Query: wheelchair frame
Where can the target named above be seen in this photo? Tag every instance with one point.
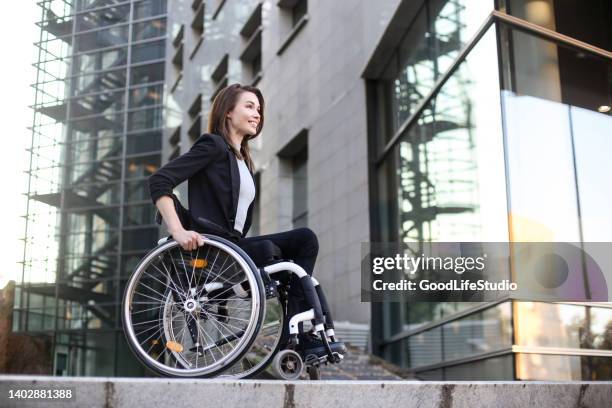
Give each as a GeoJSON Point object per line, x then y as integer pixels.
{"type": "Point", "coordinates": [261, 287]}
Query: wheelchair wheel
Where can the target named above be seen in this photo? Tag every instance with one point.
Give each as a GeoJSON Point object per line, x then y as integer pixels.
{"type": "Point", "coordinates": [193, 313]}
{"type": "Point", "coordinates": [287, 365]}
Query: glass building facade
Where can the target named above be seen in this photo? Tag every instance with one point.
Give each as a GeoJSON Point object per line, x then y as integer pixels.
{"type": "Point", "coordinates": [491, 122]}
{"type": "Point", "coordinates": [96, 137]}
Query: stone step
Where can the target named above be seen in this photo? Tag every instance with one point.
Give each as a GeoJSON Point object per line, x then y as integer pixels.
{"type": "Point", "coordinates": [162, 392]}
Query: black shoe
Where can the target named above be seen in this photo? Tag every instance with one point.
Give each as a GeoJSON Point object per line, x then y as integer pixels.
{"type": "Point", "coordinates": [310, 343]}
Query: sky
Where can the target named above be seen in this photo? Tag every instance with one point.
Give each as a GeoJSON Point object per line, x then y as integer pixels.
{"type": "Point", "coordinates": [17, 35]}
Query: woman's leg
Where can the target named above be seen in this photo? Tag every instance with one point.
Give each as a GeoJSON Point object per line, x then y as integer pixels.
{"type": "Point", "coordinates": [300, 245]}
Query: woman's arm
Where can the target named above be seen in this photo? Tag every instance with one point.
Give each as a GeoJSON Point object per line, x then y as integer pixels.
{"type": "Point", "coordinates": [204, 151]}
{"type": "Point", "coordinates": [189, 240]}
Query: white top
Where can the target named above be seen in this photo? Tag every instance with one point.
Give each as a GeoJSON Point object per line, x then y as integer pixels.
{"type": "Point", "coordinates": [246, 197]}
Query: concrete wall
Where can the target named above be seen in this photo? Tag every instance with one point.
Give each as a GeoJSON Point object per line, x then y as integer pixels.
{"type": "Point", "coordinates": [125, 392]}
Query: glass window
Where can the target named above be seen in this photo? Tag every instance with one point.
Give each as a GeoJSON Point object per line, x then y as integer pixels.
{"type": "Point", "coordinates": [569, 18]}
{"type": "Point", "coordinates": [88, 221]}
{"type": "Point", "coordinates": [142, 167]}
{"type": "Point", "coordinates": [95, 172]}
{"type": "Point", "coordinates": [102, 16]}
{"type": "Point", "coordinates": [145, 119]}
{"type": "Point", "coordinates": [450, 177]}
{"type": "Point", "coordinates": [142, 214]}
{"type": "Point", "coordinates": [149, 29]}
{"type": "Point", "coordinates": [149, 8]}
{"type": "Point", "coordinates": [144, 142]}
{"type": "Point", "coordinates": [147, 73]}
{"type": "Point", "coordinates": [137, 190]}
{"type": "Point", "coordinates": [109, 104]}
{"type": "Point", "coordinates": [84, 148]}
{"type": "Point", "coordinates": [88, 266]}
{"type": "Point", "coordinates": [475, 334]}
{"type": "Point", "coordinates": [491, 369]}
{"type": "Point", "coordinates": [99, 354]}
{"type": "Point", "coordinates": [437, 34]}
{"type": "Point", "coordinates": [593, 148]}
{"type": "Point", "coordinates": [111, 123]}
{"type": "Point", "coordinates": [90, 243]}
{"type": "Point", "coordinates": [107, 37]}
{"type": "Point", "coordinates": [146, 96]}
{"type": "Point", "coordinates": [127, 364]}
{"type": "Point", "coordinates": [93, 195]}
{"type": "Point", "coordinates": [142, 239]}
{"type": "Point", "coordinates": [552, 109]}
{"type": "Point", "coordinates": [560, 325]}
{"type": "Point", "coordinates": [100, 60]}
{"type": "Point", "coordinates": [148, 51]}
{"type": "Point", "coordinates": [479, 333]}
{"type": "Point", "coordinates": [129, 264]}
{"type": "Point", "coordinates": [425, 348]}
{"type": "Point", "coordinates": [550, 367]}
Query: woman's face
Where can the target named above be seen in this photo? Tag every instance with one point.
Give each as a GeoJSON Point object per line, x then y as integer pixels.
{"type": "Point", "coordinates": [244, 118]}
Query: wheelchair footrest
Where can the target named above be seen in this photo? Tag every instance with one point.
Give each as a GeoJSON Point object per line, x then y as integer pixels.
{"type": "Point", "coordinates": [315, 361]}
{"type": "Point", "coordinates": [320, 352]}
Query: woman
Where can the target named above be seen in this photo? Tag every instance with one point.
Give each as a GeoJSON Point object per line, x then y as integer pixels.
{"type": "Point", "coordinates": [219, 170]}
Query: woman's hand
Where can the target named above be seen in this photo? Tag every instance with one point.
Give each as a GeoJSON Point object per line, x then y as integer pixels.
{"type": "Point", "coordinates": [188, 240]}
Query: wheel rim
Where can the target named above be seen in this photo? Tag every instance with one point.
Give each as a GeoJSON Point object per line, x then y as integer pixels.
{"type": "Point", "coordinates": [290, 365]}
{"type": "Point", "coordinates": [163, 306]}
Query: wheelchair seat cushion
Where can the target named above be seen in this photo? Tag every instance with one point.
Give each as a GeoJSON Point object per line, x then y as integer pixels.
{"type": "Point", "coordinates": [262, 252]}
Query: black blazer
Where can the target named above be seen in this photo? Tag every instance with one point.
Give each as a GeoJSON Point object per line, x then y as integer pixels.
{"type": "Point", "coordinates": [213, 177]}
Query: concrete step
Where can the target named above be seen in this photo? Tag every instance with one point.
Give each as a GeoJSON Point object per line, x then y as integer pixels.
{"type": "Point", "coordinates": [162, 392]}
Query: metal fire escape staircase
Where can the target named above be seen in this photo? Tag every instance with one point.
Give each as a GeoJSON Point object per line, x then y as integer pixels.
{"type": "Point", "coordinates": [81, 282]}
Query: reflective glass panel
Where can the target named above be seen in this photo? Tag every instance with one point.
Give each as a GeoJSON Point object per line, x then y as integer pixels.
{"type": "Point", "coordinates": [553, 110]}
{"type": "Point", "coordinates": [149, 8]}
{"type": "Point", "coordinates": [436, 35]}
{"type": "Point", "coordinates": [550, 367]}
{"type": "Point", "coordinates": [561, 325]}
{"type": "Point", "coordinates": [451, 177]}
{"type": "Point", "coordinates": [149, 29]}
{"type": "Point", "coordinates": [148, 51]}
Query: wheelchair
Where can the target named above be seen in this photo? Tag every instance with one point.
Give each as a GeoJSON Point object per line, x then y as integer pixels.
{"type": "Point", "coordinates": [218, 312]}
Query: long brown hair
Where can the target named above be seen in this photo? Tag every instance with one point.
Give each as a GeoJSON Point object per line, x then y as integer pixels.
{"type": "Point", "coordinates": [223, 103]}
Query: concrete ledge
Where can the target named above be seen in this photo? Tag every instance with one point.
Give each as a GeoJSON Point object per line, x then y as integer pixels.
{"type": "Point", "coordinates": [161, 392]}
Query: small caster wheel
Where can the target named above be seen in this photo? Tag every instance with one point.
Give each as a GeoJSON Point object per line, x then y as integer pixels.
{"type": "Point", "coordinates": [314, 373]}
{"type": "Point", "coordinates": [287, 365]}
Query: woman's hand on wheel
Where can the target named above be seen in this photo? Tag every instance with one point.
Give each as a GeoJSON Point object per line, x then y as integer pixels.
{"type": "Point", "coordinates": [188, 240]}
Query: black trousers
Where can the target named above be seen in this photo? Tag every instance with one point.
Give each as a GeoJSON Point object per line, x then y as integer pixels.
{"type": "Point", "coordinates": [299, 245]}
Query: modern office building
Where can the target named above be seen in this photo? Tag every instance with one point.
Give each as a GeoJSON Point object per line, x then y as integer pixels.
{"type": "Point", "coordinates": [96, 136]}
{"type": "Point", "coordinates": [493, 126]}
{"type": "Point", "coordinates": [429, 120]}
